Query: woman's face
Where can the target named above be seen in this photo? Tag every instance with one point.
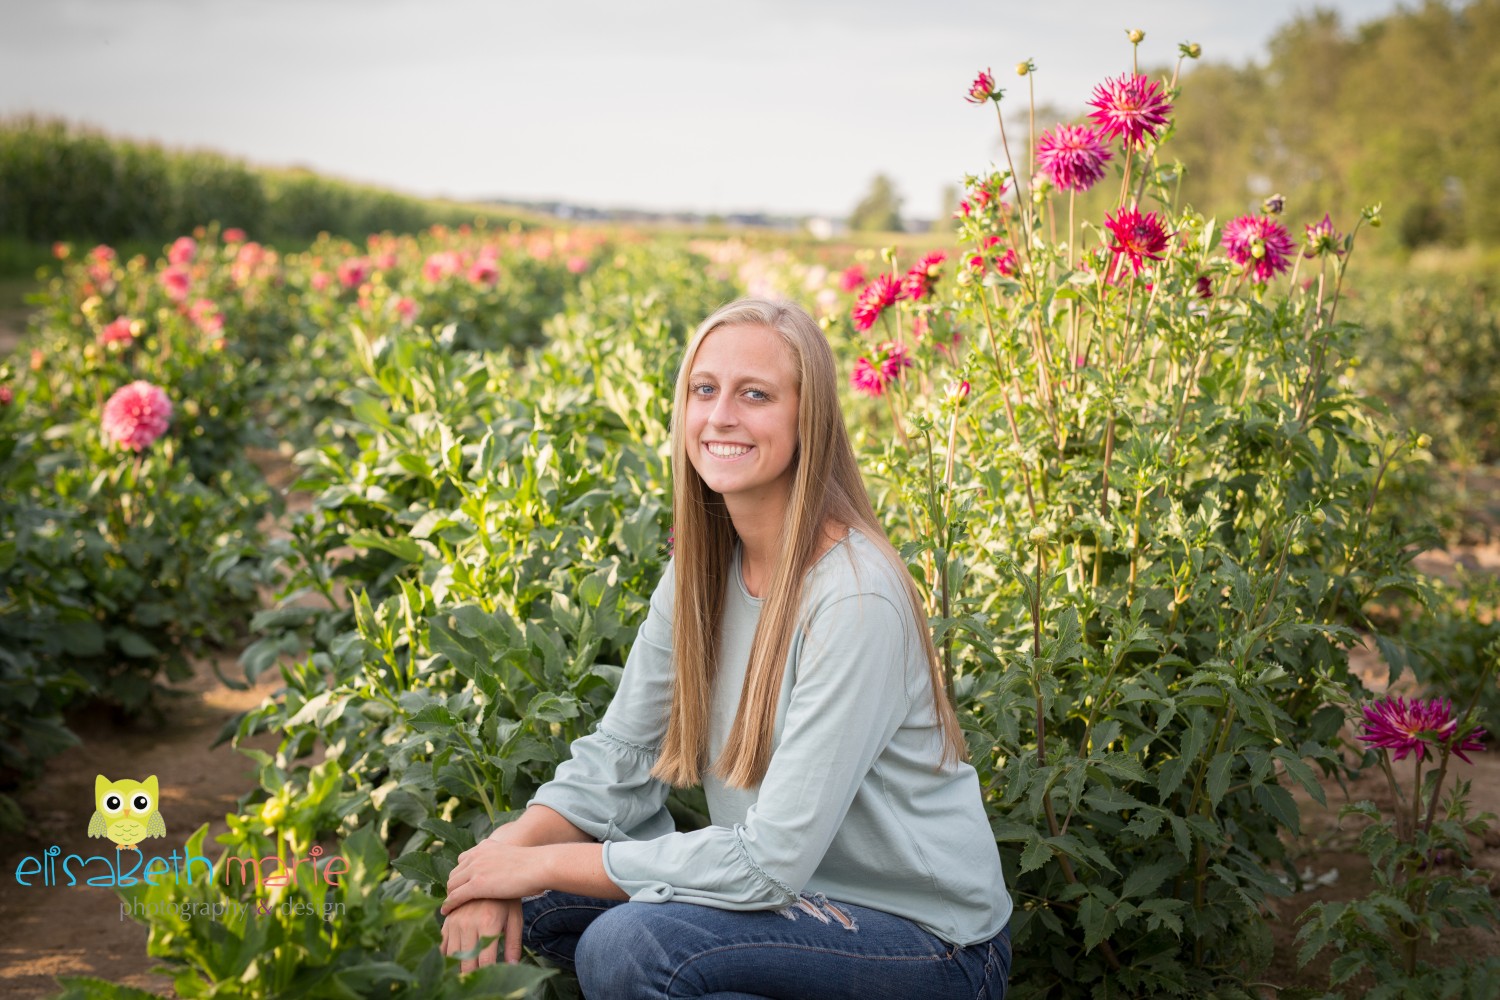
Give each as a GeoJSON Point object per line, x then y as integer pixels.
{"type": "Point", "coordinates": [742, 414]}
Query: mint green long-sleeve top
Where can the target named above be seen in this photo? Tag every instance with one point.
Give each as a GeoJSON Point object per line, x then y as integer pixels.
{"type": "Point", "coordinates": [852, 804]}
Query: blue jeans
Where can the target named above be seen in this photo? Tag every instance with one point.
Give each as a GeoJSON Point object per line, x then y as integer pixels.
{"type": "Point", "coordinates": [815, 948]}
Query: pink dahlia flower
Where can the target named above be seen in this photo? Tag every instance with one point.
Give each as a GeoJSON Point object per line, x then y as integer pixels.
{"type": "Point", "coordinates": [1131, 107]}
{"type": "Point", "coordinates": [176, 280]}
{"type": "Point", "coordinates": [982, 89]}
{"type": "Point", "coordinates": [1417, 726]}
{"type": "Point", "coordinates": [1072, 157]}
{"type": "Point", "coordinates": [137, 415]}
{"type": "Point", "coordinates": [852, 278]}
{"type": "Point", "coordinates": [894, 359]}
{"type": "Point", "coordinates": [6, 395]}
{"type": "Point", "coordinates": [206, 316]}
{"type": "Point", "coordinates": [234, 236]}
{"type": "Point", "coordinates": [1138, 237]}
{"type": "Point", "coordinates": [182, 250]}
{"type": "Point", "coordinates": [880, 294]}
{"type": "Point", "coordinates": [576, 264]}
{"type": "Point", "coordinates": [120, 331]}
{"type": "Point", "coordinates": [1259, 242]}
{"type": "Point", "coordinates": [406, 308]}
{"type": "Point", "coordinates": [484, 272]}
{"type": "Point", "coordinates": [353, 272]}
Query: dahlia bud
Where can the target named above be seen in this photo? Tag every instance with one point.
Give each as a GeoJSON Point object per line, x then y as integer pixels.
{"type": "Point", "coordinates": [1273, 205]}
{"type": "Point", "coordinates": [1318, 517]}
{"type": "Point", "coordinates": [983, 89]}
{"type": "Point", "coordinates": [1137, 36]}
{"type": "Point", "coordinates": [1424, 440]}
{"type": "Point", "coordinates": [1299, 548]}
{"type": "Point", "coordinates": [1190, 50]}
{"type": "Point", "coordinates": [1023, 68]}
{"type": "Point", "coordinates": [958, 392]}
{"type": "Point", "coordinates": [1038, 535]}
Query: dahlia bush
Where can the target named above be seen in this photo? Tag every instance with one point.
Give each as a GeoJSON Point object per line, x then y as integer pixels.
{"type": "Point", "coordinates": [1127, 464]}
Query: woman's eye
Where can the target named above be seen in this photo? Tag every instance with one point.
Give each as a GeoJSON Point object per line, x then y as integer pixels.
{"type": "Point", "coordinates": [759, 394]}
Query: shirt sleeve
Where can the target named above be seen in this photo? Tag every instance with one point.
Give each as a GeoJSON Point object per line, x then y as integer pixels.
{"type": "Point", "coordinates": [605, 788]}
{"type": "Point", "coordinates": [848, 698]}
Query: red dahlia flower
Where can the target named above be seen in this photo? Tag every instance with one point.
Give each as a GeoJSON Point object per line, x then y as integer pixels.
{"type": "Point", "coordinates": [1416, 726]}
{"type": "Point", "coordinates": [880, 294]}
{"type": "Point", "coordinates": [1259, 240]}
{"type": "Point", "coordinates": [1072, 157]}
{"type": "Point", "coordinates": [1131, 107]}
{"type": "Point", "coordinates": [1138, 237]}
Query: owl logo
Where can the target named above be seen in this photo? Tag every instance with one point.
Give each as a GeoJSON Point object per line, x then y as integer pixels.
{"type": "Point", "coordinates": [126, 812]}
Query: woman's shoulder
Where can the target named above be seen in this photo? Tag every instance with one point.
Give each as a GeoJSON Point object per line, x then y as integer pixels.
{"type": "Point", "coordinates": [855, 565]}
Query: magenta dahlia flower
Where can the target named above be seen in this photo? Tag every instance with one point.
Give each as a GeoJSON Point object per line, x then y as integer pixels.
{"type": "Point", "coordinates": [916, 284]}
{"type": "Point", "coordinates": [1259, 242]}
{"type": "Point", "coordinates": [867, 379]}
{"type": "Point", "coordinates": [1137, 237]}
{"type": "Point", "coordinates": [894, 359]}
{"type": "Point", "coordinates": [1072, 157]}
{"type": "Point", "coordinates": [880, 294]}
{"type": "Point", "coordinates": [136, 415]}
{"type": "Point", "coordinates": [983, 88]}
{"type": "Point", "coordinates": [1416, 726]}
{"type": "Point", "coordinates": [1131, 107]}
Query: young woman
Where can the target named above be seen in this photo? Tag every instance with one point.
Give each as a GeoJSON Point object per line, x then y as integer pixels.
{"type": "Point", "coordinates": [786, 665]}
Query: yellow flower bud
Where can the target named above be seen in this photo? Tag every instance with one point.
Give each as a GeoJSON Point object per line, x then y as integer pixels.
{"type": "Point", "coordinates": [1424, 440]}
{"type": "Point", "coordinates": [1137, 36]}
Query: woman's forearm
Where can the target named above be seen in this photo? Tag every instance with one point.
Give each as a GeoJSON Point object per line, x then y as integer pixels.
{"type": "Point", "coordinates": [539, 826]}
{"type": "Point", "coordinates": [579, 868]}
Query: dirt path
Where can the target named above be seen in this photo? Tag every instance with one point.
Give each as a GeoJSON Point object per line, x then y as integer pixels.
{"type": "Point", "coordinates": [61, 930]}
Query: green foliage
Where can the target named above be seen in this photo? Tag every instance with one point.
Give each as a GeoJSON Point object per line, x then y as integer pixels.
{"type": "Point", "coordinates": [59, 181]}
{"type": "Point", "coordinates": [341, 929]}
{"type": "Point", "coordinates": [1432, 354]}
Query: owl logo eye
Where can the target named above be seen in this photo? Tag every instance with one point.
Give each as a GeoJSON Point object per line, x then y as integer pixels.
{"type": "Point", "coordinates": [141, 802]}
{"type": "Point", "coordinates": [113, 803]}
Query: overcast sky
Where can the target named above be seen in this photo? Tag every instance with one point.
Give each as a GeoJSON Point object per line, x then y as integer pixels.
{"type": "Point", "coordinates": [772, 105]}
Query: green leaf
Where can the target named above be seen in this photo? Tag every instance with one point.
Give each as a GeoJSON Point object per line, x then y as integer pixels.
{"type": "Point", "coordinates": [1218, 777]}
{"type": "Point", "coordinates": [1036, 854]}
{"type": "Point", "coordinates": [401, 548]}
{"type": "Point", "coordinates": [1145, 880]}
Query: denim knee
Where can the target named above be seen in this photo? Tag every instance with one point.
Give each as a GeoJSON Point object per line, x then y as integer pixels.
{"type": "Point", "coordinates": [621, 955]}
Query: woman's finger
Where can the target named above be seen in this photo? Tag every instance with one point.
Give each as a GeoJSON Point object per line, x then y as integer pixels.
{"type": "Point", "coordinates": [514, 920]}
{"type": "Point", "coordinates": [470, 939]}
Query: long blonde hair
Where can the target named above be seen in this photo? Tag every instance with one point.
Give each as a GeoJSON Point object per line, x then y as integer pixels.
{"type": "Point", "coordinates": [826, 485]}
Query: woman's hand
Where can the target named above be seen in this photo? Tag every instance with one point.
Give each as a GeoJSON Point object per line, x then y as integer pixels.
{"type": "Point", "coordinates": [482, 918]}
{"type": "Point", "coordinates": [495, 869]}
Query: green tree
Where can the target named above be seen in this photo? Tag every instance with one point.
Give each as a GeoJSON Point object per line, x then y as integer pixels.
{"type": "Point", "coordinates": [879, 210]}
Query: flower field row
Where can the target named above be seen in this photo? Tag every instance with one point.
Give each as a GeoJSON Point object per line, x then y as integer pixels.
{"type": "Point", "coordinates": [1124, 457]}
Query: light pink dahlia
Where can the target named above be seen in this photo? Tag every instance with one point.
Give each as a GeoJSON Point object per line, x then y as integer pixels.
{"type": "Point", "coordinates": [1072, 157]}
{"type": "Point", "coordinates": [136, 415]}
{"type": "Point", "coordinates": [1417, 726]}
{"type": "Point", "coordinates": [1261, 241]}
{"type": "Point", "coordinates": [1131, 107]}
